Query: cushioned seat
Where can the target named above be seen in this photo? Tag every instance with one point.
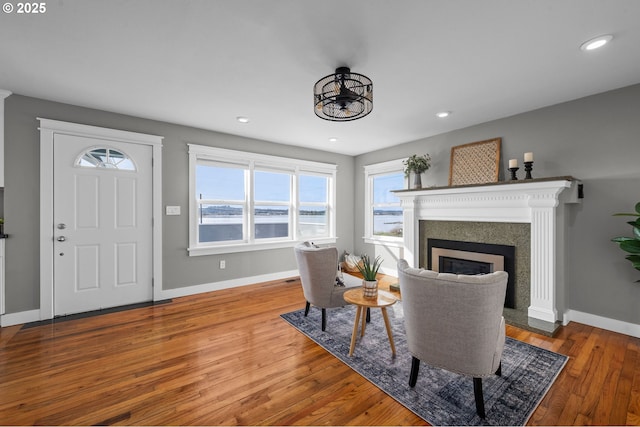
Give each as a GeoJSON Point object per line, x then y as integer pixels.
{"type": "Point", "coordinates": [318, 268]}
{"type": "Point", "coordinates": [454, 322]}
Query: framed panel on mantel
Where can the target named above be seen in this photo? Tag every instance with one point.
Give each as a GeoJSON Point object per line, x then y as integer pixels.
{"type": "Point", "coordinates": [475, 163]}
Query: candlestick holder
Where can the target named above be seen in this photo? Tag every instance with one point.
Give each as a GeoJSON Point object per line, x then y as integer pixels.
{"type": "Point", "coordinates": [528, 167]}
{"type": "Point", "coordinates": [513, 173]}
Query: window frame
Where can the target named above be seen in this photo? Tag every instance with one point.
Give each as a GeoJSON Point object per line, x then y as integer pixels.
{"type": "Point", "coordinates": [243, 202]}
{"type": "Point", "coordinates": [329, 205]}
{"type": "Point", "coordinates": [255, 203]}
{"type": "Point", "coordinates": [252, 162]}
{"type": "Point", "coordinates": [103, 165]}
{"type": "Point", "coordinates": [370, 172]}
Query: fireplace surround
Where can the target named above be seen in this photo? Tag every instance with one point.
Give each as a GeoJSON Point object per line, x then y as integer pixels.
{"type": "Point", "coordinates": [459, 257]}
{"type": "Point", "coordinates": [540, 203]}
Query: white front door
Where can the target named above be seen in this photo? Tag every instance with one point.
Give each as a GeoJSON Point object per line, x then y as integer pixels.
{"type": "Point", "coordinates": [103, 223]}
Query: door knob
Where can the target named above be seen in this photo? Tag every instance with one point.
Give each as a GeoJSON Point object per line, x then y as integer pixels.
{"type": "Point", "coordinates": [61, 239]}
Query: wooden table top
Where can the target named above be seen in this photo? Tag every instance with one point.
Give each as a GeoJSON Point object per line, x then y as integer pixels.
{"type": "Point", "coordinates": [356, 296]}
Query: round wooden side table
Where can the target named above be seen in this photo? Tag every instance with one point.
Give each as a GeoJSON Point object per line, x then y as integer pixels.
{"type": "Point", "coordinates": [384, 300]}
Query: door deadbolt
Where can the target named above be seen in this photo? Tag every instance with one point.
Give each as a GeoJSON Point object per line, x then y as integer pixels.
{"type": "Point", "coordinates": [62, 226]}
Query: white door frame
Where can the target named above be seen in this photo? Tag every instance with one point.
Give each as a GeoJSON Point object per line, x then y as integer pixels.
{"type": "Point", "coordinates": [48, 128]}
{"type": "Point", "coordinates": [3, 94]}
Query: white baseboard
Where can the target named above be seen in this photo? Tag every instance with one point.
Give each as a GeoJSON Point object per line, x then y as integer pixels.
{"type": "Point", "coordinates": [34, 315]}
{"type": "Point", "coordinates": [225, 284]}
{"type": "Point", "coordinates": [19, 317]}
{"type": "Point", "coordinates": [613, 325]}
{"type": "Point", "coordinates": [596, 321]}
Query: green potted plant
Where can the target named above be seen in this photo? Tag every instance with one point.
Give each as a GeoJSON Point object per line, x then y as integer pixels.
{"type": "Point", "coordinates": [417, 165]}
{"type": "Point", "coordinates": [631, 244]}
{"type": "Point", "coordinates": [369, 270]}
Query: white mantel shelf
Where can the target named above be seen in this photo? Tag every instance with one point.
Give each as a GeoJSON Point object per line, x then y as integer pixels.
{"type": "Point", "coordinates": [539, 202]}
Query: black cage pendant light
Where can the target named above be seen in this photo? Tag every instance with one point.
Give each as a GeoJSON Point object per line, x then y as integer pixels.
{"type": "Point", "coordinates": [343, 96]}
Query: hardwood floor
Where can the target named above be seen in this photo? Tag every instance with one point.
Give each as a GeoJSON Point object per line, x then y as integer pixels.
{"type": "Point", "coordinates": [227, 358]}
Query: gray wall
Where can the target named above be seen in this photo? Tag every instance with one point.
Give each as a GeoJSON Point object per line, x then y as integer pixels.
{"type": "Point", "coordinates": [21, 198]}
{"type": "Point", "coordinates": [595, 139]}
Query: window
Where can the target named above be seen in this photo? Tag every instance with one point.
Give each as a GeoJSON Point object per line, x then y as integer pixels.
{"type": "Point", "coordinates": [387, 212]}
{"type": "Point", "coordinates": [243, 201]}
{"type": "Point", "coordinates": [383, 211]}
{"type": "Point", "coordinates": [313, 212]}
{"type": "Point", "coordinates": [272, 206]}
{"type": "Point", "coordinates": [220, 193]}
{"type": "Point", "coordinates": [105, 158]}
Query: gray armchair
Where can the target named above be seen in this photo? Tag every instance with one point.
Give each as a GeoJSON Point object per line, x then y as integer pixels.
{"type": "Point", "coordinates": [454, 322]}
{"type": "Point", "coordinates": [318, 268]}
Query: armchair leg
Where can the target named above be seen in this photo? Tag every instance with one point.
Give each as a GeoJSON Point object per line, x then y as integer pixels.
{"type": "Point", "coordinates": [324, 319]}
{"type": "Point", "coordinates": [499, 371]}
{"type": "Point", "coordinates": [368, 314]}
{"type": "Point", "coordinates": [477, 391]}
{"type": "Point", "coordinates": [306, 309]}
{"type": "Point", "coordinates": [415, 367]}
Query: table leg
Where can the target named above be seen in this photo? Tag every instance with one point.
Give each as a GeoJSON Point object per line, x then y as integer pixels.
{"type": "Point", "coordinates": [388, 325]}
{"type": "Point", "coordinates": [364, 322]}
{"type": "Point", "coordinates": [355, 331]}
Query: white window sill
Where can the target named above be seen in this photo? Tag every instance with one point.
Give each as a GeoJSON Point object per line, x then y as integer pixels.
{"type": "Point", "coordinates": [249, 247]}
{"type": "Point", "coordinates": [395, 243]}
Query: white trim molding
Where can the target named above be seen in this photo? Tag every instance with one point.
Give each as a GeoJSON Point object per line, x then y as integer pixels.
{"type": "Point", "coordinates": [226, 284]}
{"type": "Point", "coordinates": [49, 128]}
{"type": "Point", "coordinates": [537, 202]}
{"type": "Point", "coordinates": [165, 294]}
{"type": "Point", "coordinates": [20, 318]}
{"type": "Point", "coordinates": [3, 94]}
{"type": "Point", "coordinates": [596, 321]}
{"type": "Point", "coordinates": [370, 172]}
{"type": "Point", "coordinates": [251, 162]}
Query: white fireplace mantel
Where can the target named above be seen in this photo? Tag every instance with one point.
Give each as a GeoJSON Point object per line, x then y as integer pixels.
{"type": "Point", "coordinates": [539, 202]}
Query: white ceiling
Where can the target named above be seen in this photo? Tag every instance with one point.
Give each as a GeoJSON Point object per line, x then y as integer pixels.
{"type": "Point", "coordinates": [203, 63]}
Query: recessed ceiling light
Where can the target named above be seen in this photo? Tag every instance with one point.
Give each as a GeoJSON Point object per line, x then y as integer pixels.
{"type": "Point", "coordinates": [242, 119]}
{"type": "Point", "coordinates": [333, 139]}
{"type": "Point", "coordinates": [443, 114]}
{"type": "Point", "coordinates": [596, 42]}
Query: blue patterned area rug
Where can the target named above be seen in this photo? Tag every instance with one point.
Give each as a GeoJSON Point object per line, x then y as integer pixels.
{"type": "Point", "coordinates": [440, 397]}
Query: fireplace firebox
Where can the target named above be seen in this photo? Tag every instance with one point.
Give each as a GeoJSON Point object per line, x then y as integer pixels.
{"type": "Point", "coordinates": [452, 256]}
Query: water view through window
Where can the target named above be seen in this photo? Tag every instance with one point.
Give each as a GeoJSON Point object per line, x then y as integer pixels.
{"type": "Point", "coordinates": [387, 222]}
{"type": "Point", "coordinates": [314, 206]}
{"type": "Point", "coordinates": [222, 207]}
{"type": "Point", "coordinates": [387, 212]}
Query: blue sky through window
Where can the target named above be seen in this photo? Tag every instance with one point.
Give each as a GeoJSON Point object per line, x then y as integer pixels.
{"type": "Point", "coordinates": [217, 183]}
{"type": "Point", "coordinates": [224, 183]}
{"type": "Point", "coordinates": [272, 186]}
{"type": "Point", "coordinates": [248, 197]}
{"type": "Point", "coordinates": [313, 189]}
{"type": "Point", "coordinates": [384, 184]}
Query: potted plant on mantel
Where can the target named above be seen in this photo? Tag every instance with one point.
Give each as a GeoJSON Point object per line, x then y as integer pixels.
{"type": "Point", "coordinates": [369, 270]}
{"type": "Point", "coordinates": [631, 244]}
{"type": "Point", "coordinates": [417, 165]}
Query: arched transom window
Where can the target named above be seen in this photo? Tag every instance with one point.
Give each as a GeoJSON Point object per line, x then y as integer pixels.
{"type": "Point", "coordinates": [107, 158]}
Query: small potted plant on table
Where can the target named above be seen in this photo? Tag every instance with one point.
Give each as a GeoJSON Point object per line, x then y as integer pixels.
{"type": "Point", "coordinates": [369, 270]}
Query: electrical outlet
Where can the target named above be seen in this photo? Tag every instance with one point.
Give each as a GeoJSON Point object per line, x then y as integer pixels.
{"type": "Point", "coordinates": [223, 264]}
